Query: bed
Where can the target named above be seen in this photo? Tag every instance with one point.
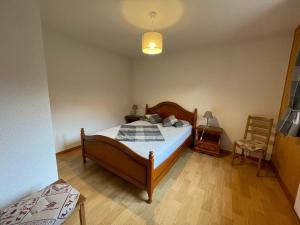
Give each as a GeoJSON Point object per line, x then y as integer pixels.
{"type": "Point", "coordinates": [143, 164]}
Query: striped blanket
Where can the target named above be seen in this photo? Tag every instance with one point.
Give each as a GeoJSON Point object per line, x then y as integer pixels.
{"type": "Point", "coordinates": [137, 133]}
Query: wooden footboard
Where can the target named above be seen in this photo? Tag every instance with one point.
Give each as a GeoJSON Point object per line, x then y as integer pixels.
{"type": "Point", "coordinates": [119, 159]}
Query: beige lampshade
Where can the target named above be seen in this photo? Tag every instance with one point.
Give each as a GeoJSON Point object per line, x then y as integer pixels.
{"type": "Point", "coordinates": [208, 115]}
{"type": "Point", "coordinates": [152, 43]}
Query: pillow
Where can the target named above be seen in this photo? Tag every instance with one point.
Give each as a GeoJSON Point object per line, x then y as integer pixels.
{"type": "Point", "coordinates": [144, 118]}
{"type": "Point", "coordinates": [153, 118]}
{"type": "Point", "coordinates": [182, 123]}
{"type": "Point", "coordinates": [169, 121]}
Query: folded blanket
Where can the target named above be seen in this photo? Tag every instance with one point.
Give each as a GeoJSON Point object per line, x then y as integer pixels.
{"type": "Point", "coordinates": [136, 133]}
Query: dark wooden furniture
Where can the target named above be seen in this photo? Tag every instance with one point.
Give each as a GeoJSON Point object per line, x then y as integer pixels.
{"type": "Point", "coordinates": [210, 143]}
{"type": "Point", "coordinates": [80, 204]}
{"type": "Point", "coordinates": [132, 118]}
{"type": "Point", "coordinates": [122, 161]}
{"type": "Point", "coordinates": [285, 153]}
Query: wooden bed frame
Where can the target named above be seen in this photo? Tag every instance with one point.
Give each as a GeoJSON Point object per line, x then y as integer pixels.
{"type": "Point", "coordinates": [122, 161]}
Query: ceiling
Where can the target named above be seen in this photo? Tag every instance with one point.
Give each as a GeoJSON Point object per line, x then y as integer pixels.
{"type": "Point", "coordinates": [117, 25]}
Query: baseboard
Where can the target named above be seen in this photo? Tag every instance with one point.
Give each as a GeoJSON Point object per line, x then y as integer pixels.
{"type": "Point", "coordinates": [288, 195]}
{"type": "Point", "coordinates": [68, 150]}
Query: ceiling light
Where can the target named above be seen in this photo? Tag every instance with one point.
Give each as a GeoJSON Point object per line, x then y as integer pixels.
{"type": "Point", "coordinates": [152, 41]}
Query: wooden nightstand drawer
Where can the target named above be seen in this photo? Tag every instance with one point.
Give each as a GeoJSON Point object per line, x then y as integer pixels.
{"type": "Point", "coordinates": [210, 140]}
{"type": "Point", "coordinates": [208, 146]}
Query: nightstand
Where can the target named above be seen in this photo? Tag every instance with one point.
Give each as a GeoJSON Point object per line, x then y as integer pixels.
{"type": "Point", "coordinates": [132, 118]}
{"type": "Point", "coordinates": [210, 143]}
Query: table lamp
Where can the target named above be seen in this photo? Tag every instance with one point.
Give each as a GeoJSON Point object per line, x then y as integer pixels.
{"type": "Point", "coordinates": [134, 109]}
{"type": "Point", "coordinates": [208, 115]}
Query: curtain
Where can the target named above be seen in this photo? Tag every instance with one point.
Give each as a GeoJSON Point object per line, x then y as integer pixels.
{"type": "Point", "coordinates": [290, 123]}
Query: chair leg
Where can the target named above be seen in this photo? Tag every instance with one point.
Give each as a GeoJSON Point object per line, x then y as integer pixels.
{"type": "Point", "coordinates": [233, 153]}
{"type": "Point", "coordinates": [260, 159]}
{"type": "Point", "coordinates": [243, 156]}
{"type": "Point", "coordinates": [263, 162]}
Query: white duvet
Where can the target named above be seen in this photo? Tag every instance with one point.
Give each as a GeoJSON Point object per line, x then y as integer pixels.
{"type": "Point", "coordinates": [174, 137]}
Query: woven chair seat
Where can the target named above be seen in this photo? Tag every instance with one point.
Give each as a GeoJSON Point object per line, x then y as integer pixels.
{"type": "Point", "coordinates": [251, 145]}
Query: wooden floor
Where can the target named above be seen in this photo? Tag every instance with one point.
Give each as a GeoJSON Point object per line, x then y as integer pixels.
{"type": "Point", "coordinates": [200, 189]}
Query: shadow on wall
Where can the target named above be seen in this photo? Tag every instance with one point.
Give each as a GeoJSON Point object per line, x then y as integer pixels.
{"type": "Point", "coordinates": [226, 142]}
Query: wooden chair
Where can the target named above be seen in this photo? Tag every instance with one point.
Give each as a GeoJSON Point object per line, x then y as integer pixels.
{"type": "Point", "coordinates": [256, 139]}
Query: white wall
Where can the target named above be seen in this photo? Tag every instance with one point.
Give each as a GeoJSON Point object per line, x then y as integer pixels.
{"type": "Point", "coordinates": [92, 88]}
{"type": "Point", "coordinates": [89, 87]}
{"type": "Point", "coordinates": [233, 81]}
{"type": "Point", "coordinates": [27, 161]}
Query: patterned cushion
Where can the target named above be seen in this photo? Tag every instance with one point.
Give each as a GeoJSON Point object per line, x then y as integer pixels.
{"type": "Point", "coordinates": [49, 206]}
{"type": "Point", "coordinates": [251, 145]}
{"type": "Point", "coordinates": [182, 123]}
{"type": "Point", "coordinates": [153, 118]}
{"type": "Point", "coordinates": [169, 121]}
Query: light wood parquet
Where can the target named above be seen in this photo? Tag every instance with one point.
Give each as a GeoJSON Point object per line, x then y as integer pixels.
{"type": "Point", "coordinates": [199, 189]}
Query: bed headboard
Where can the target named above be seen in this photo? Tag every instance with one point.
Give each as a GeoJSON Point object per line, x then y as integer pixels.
{"type": "Point", "coordinates": [165, 109]}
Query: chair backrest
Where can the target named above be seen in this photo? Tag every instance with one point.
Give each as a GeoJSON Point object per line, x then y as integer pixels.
{"type": "Point", "coordinates": [259, 128]}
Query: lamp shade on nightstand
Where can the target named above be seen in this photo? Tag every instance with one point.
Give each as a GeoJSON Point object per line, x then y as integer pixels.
{"type": "Point", "coordinates": [208, 115]}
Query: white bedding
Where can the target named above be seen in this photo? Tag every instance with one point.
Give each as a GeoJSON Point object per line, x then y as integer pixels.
{"type": "Point", "coordinates": [174, 137]}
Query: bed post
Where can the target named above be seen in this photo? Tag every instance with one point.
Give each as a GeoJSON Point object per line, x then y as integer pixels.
{"type": "Point", "coordinates": [195, 119]}
{"type": "Point", "coordinates": [147, 107]}
{"type": "Point", "coordinates": [150, 172]}
{"type": "Point", "coordinates": [194, 125]}
{"type": "Point", "coordinates": [82, 145]}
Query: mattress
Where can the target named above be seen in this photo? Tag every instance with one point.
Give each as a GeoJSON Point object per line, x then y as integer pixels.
{"type": "Point", "coordinates": [174, 137]}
